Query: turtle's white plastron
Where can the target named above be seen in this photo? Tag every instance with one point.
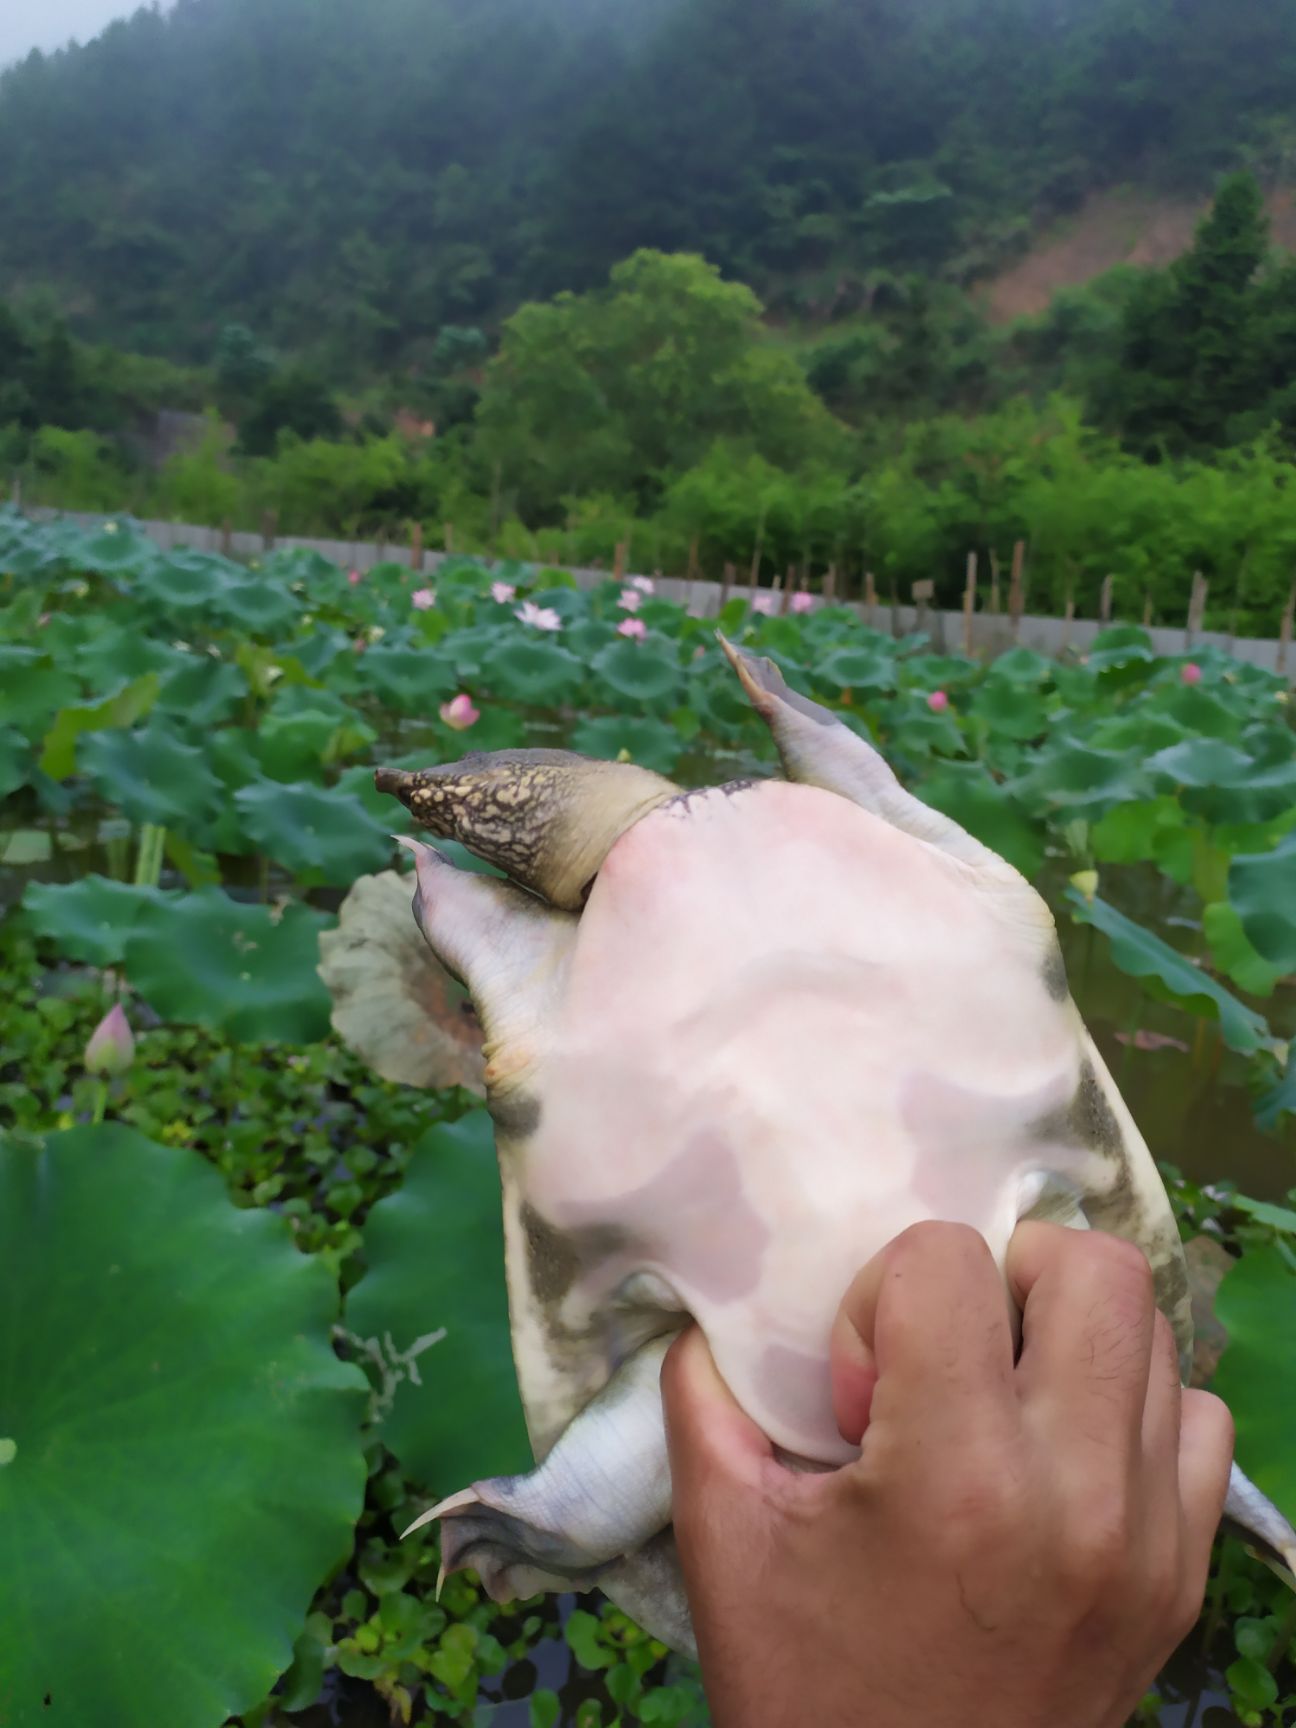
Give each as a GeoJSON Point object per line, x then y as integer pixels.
{"type": "Point", "coordinates": [736, 1041]}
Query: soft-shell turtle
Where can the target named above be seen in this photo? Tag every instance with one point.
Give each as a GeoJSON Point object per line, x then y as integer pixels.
{"type": "Point", "coordinates": [736, 1041]}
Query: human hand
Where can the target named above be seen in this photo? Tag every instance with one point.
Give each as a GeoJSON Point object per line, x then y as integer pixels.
{"type": "Point", "coordinates": [1019, 1544]}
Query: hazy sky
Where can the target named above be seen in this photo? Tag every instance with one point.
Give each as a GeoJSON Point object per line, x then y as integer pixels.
{"type": "Point", "coordinates": [46, 24]}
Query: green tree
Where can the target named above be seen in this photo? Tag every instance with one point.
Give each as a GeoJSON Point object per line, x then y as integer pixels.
{"type": "Point", "coordinates": [615, 390]}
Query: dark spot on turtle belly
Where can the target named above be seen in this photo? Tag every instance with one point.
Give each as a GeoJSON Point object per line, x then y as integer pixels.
{"type": "Point", "coordinates": [682, 800]}
{"type": "Point", "coordinates": [1055, 976]}
{"type": "Point", "coordinates": [1087, 1121]}
{"type": "Point", "coordinates": [516, 1115]}
{"type": "Point", "coordinates": [556, 1258]}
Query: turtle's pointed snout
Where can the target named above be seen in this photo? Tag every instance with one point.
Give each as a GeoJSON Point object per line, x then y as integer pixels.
{"type": "Point", "coordinates": [398, 781]}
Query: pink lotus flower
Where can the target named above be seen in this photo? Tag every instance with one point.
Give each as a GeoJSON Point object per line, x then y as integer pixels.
{"type": "Point", "coordinates": [359, 644]}
{"type": "Point", "coordinates": [644, 584]}
{"type": "Point", "coordinates": [459, 712]}
{"type": "Point", "coordinates": [422, 599]}
{"type": "Point", "coordinates": [802, 602]}
{"type": "Point", "coordinates": [764, 603]}
{"type": "Point", "coordinates": [630, 600]}
{"type": "Point", "coordinates": [938, 701]}
{"type": "Point", "coordinates": [539, 617]}
{"type": "Point", "coordinates": [632, 627]}
{"type": "Point", "coordinates": [1190, 672]}
{"type": "Point", "coordinates": [353, 576]}
{"type": "Point", "coordinates": [502, 592]}
{"type": "Point", "coordinates": [111, 1049]}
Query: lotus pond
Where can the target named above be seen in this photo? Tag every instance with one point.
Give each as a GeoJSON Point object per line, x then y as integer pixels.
{"type": "Point", "coordinates": [230, 1247]}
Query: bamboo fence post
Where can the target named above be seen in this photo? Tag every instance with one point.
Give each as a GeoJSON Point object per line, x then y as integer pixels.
{"type": "Point", "coordinates": [269, 526]}
{"type": "Point", "coordinates": [994, 583]}
{"type": "Point", "coordinates": [895, 609]}
{"type": "Point", "coordinates": [758, 548]}
{"type": "Point", "coordinates": [1196, 607]}
{"type": "Point", "coordinates": [1017, 588]}
{"type": "Point", "coordinates": [1068, 616]}
{"type": "Point", "coordinates": [789, 588]}
{"type": "Point", "coordinates": [1147, 609]}
{"type": "Point", "coordinates": [227, 538]}
{"type": "Point", "coordinates": [923, 592]}
{"type": "Point", "coordinates": [969, 602]}
{"type": "Point", "coordinates": [1285, 630]}
{"type": "Point", "coordinates": [447, 538]}
{"type": "Point", "coordinates": [830, 583]}
{"type": "Point", "coordinates": [618, 561]}
{"type": "Point", "coordinates": [1105, 600]}
{"type": "Point", "coordinates": [416, 546]}
{"type": "Point", "coordinates": [726, 584]}
{"type": "Point", "coordinates": [870, 599]}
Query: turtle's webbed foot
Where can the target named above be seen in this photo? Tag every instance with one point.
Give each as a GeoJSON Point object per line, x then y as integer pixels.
{"type": "Point", "coordinates": [513, 1558]}
{"type": "Point", "coordinates": [600, 1494]}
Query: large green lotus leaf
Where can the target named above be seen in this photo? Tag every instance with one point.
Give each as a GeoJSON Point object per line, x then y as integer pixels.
{"type": "Point", "coordinates": [320, 836]}
{"type": "Point", "coordinates": [32, 689]}
{"type": "Point", "coordinates": [117, 652]}
{"type": "Point", "coordinates": [1200, 712]}
{"type": "Point", "coordinates": [435, 1254]}
{"type": "Point", "coordinates": [917, 733]}
{"type": "Point", "coordinates": [639, 672]}
{"type": "Point", "coordinates": [1262, 889]}
{"type": "Point", "coordinates": [180, 1461]}
{"type": "Point", "coordinates": [1010, 709]}
{"type": "Point", "coordinates": [152, 776]}
{"type": "Point", "coordinates": [291, 745]}
{"type": "Point", "coordinates": [972, 799]}
{"type": "Point", "coordinates": [123, 708]}
{"type": "Point", "coordinates": [16, 762]}
{"type": "Point", "coordinates": [185, 582]}
{"type": "Point", "coordinates": [651, 743]}
{"type": "Point", "coordinates": [1126, 729]}
{"type": "Point", "coordinates": [116, 550]}
{"type": "Point", "coordinates": [1256, 1378]}
{"type": "Point", "coordinates": [1135, 832]}
{"type": "Point", "coordinates": [1118, 647]}
{"type": "Point", "coordinates": [1233, 954]}
{"type": "Point", "coordinates": [1025, 666]}
{"type": "Point", "coordinates": [258, 607]}
{"type": "Point", "coordinates": [871, 668]}
{"type": "Point", "coordinates": [411, 680]}
{"type": "Point", "coordinates": [1199, 762]}
{"type": "Point", "coordinates": [89, 920]}
{"type": "Point", "coordinates": [319, 651]}
{"type": "Point", "coordinates": [247, 971]}
{"type": "Point", "coordinates": [1142, 955]}
{"type": "Point", "coordinates": [1068, 775]}
{"type": "Point", "coordinates": [538, 673]}
{"type": "Point", "coordinates": [203, 691]}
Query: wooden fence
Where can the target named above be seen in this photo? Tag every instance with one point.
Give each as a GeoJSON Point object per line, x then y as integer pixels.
{"type": "Point", "coordinates": [983, 632]}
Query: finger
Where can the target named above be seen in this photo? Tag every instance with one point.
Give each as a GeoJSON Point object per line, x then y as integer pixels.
{"type": "Point", "coordinates": [1087, 1323]}
{"type": "Point", "coordinates": [930, 1319]}
{"type": "Point", "coordinates": [710, 1439]}
{"type": "Point", "coordinates": [1161, 1408]}
{"type": "Point", "coordinates": [1205, 1458]}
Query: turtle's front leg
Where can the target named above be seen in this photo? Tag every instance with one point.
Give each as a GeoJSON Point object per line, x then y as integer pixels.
{"type": "Point", "coordinates": [602, 1492]}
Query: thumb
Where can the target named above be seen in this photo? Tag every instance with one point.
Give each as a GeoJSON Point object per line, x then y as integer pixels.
{"type": "Point", "coordinates": [712, 1442]}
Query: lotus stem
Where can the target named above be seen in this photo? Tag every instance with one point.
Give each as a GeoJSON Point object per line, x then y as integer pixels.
{"type": "Point", "coordinates": [148, 863]}
{"type": "Point", "coordinates": [100, 1103]}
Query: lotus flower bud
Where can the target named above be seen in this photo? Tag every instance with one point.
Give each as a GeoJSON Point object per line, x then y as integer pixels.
{"type": "Point", "coordinates": [111, 1049]}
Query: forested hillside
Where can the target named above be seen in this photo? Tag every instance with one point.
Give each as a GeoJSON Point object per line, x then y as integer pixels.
{"type": "Point", "coordinates": [347, 178]}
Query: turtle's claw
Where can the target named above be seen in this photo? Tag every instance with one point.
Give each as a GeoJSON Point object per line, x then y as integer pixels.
{"type": "Point", "coordinates": [513, 1559]}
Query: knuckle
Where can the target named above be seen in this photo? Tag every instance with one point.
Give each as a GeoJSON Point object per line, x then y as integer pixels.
{"type": "Point", "coordinates": [1122, 1264]}
{"type": "Point", "coordinates": [940, 1240]}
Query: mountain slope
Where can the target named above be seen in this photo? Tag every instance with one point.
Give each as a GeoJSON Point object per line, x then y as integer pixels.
{"type": "Point", "coordinates": [349, 176]}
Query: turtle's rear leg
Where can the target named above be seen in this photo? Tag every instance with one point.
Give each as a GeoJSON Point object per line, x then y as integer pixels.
{"type": "Point", "coordinates": [601, 1493]}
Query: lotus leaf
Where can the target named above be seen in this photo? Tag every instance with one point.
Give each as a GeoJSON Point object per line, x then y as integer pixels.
{"type": "Point", "coordinates": [411, 680]}
{"type": "Point", "coordinates": [1262, 888]}
{"type": "Point", "coordinates": [972, 798]}
{"type": "Point", "coordinates": [1257, 1374]}
{"type": "Point", "coordinates": [203, 692]}
{"type": "Point", "coordinates": [89, 920]}
{"type": "Point", "coordinates": [183, 1465]}
{"type": "Point", "coordinates": [856, 669]}
{"type": "Point", "coordinates": [639, 672]}
{"type": "Point", "coordinates": [123, 708]}
{"type": "Point", "coordinates": [435, 1253]}
{"type": "Point", "coordinates": [152, 776]}
{"type": "Point", "coordinates": [15, 760]}
{"type": "Point", "coordinates": [1142, 955]}
{"type": "Point", "coordinates": [246, 971]}
{"type": "Point", "coordinates": [1234, 954]}
{"type": "Point", "coordinates": [320, 836]}
{"type": "Point", "coordinates": [651, 743]}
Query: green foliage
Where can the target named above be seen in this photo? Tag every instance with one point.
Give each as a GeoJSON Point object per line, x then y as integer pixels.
{"type": "Point", "coordinates": [166, 1366]}
{"type": "Point", "coordinates": [435, 1254]}
{"type": "Point", "coordinates": [1255, 1304]}
{"type": "Point", "coordinates": [257, 749]}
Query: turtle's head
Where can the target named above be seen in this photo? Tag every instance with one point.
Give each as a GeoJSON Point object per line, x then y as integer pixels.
{"type": "Point", "coordinates": [548, 818]}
